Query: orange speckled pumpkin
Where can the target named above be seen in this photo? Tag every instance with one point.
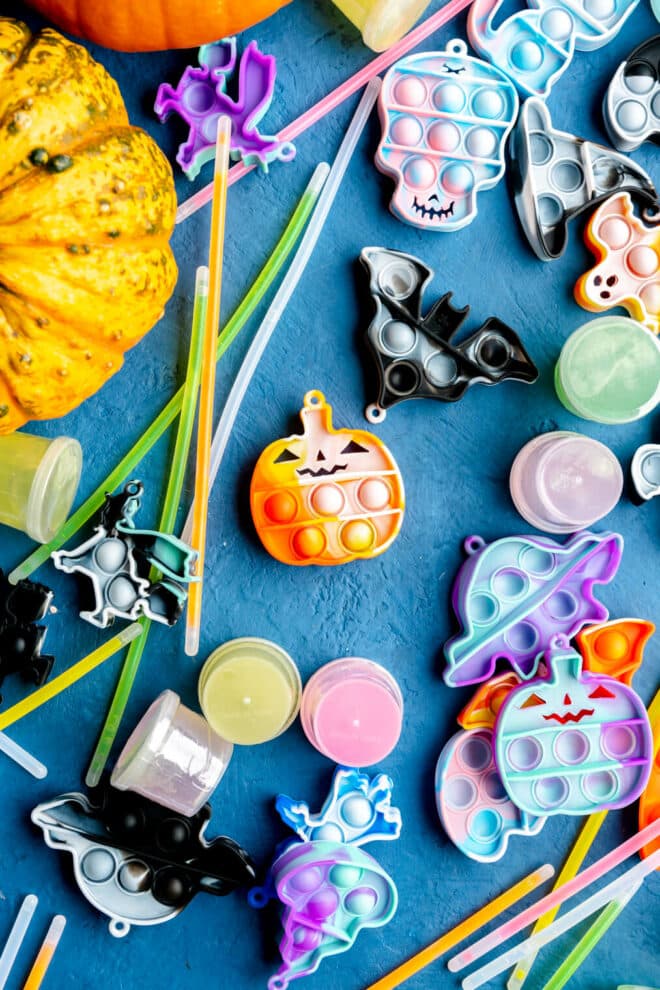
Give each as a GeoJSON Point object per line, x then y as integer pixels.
{"type": "Point", "coordinates": [87, 207]}
{"type": "Point", "coordinates": [151, 25]}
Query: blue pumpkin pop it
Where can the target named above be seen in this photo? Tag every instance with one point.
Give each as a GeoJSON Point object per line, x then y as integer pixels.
{"type": "Point", "coordinates": [445, 118]}
{"type": "Point", "coordinates": [631, 107]}
{"type": "Point", "coordinates": [474, 807]}
{"type": "Point", "coordinates": [534, 47]}
{"type": "Point", "coordinates": [513, 595]}
{"type": "Point", "coordinates": [571, 742]}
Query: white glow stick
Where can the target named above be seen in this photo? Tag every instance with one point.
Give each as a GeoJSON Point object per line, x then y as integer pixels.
{"type": "Point", "coordinates": [16, 936]}
{"type": "Point", "coordinates": [22, 757]}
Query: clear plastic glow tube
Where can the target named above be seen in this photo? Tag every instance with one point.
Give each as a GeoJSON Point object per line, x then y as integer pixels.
{"type": "Point", "coordinates": [22, 757]}
{"type": "Point", "coordinates": [289, 283]}
{"type": "Point", "coordinates": [16, 936]}
{"type": "Point", "coordinates": [46, 953]}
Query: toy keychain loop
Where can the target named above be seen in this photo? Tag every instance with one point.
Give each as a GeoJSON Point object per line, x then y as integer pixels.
{"type": "Point", "coordinates": [473, 544]}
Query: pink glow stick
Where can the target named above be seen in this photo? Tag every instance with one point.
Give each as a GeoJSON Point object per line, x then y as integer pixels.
{"type": "Point", "coordinates": [336, 97]}
{"type": "Point", "coordinates": [554, 898]}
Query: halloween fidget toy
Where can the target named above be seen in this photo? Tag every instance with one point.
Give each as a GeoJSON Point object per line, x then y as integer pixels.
{"type": "Point", "coordinates": [627, 272]}
{"type": "Point", "coordinates": [326, 496]}
{"type": "Point", "coordinates": [117, 561]}
{"type": "Point", "coordinates": [631, 107]}
{"type": "Point", "coordinates": [557, 176]}
{"type": "Point", "coordinates": [645, 471]}
{"type": "Point", "coordinates": [200, 98]}
{"type": "Point", "coordinates": [329, 887]}
{"type": "Point", "coordinates": [417, 357]}
{"type": "Point", "coordinates": [571, 742]}
{"type": "Point", "coordinates": [513, 595]}
{"type": "Point", "coordinates": [445, 118]}
{"type": "Point", "coordinates": [534, 47]}
{"type": "Point", "coordinates": [21, 639]}
{"type": "Point", "coordinates": [137, 862]}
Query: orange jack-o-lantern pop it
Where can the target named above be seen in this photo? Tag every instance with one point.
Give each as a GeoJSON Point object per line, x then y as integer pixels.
{"type": "Point", "coordinates": [326, 496]}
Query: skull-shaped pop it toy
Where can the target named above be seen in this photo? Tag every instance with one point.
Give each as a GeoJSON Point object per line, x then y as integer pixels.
{"type": "Point", "coordinates": [534, 47]}
{"type": "Point", "coordinates": [513, 595]}
{"type": "Point", "coordinates": [572, 742]}
{"type": "Point", "coordinates": [445, 118]}
{"type": "Point", "coordinates": [645, 471]}
{"type": "Point", "coordinates": [627, 272]}
{"type": "Point", "coordinates": [557, 176]}
{"type": "Point", "coordinates": [631, 107]}
{"type": "Point", "coordinates": [417, 357]}
{"type": "Point", "coordinates": [326, 496]}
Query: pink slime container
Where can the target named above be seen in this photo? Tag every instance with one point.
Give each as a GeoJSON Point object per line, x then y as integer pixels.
{"type": "Point", "coordinates": [351, 711]}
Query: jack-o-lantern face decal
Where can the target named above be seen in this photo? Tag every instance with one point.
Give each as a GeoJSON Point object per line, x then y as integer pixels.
{"type": "Point", "coordinates": [570, 742]}
{"type": "Point", "coordinates": [326, 496]}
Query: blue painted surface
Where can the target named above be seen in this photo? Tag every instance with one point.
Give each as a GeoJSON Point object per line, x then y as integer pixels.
{"type": "Point", "coordinates": [455, 460]}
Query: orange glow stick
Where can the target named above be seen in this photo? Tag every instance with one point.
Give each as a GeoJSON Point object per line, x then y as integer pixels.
{"type": "Point", "coordinates": [46, 953]}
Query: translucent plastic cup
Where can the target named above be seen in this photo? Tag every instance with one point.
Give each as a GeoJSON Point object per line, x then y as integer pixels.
{"type": "Point", "coordinates": [172, 757]}
{"type": "Point", "coordinates": [382, 22]}
{"type": "Point", "coordinates": [38, 482]}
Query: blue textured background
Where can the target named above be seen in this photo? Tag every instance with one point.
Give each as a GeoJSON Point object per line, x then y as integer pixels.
{"type": "Point", "coordinates": [455, 461]}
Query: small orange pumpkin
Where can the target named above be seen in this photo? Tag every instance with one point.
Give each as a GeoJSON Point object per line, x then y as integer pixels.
{"type": "Point", "coordinates": [87, 207]}
{"type": "Point", "coordinates": [152, 25]}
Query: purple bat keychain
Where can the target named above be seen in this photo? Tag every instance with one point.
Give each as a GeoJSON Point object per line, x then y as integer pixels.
{"type": "Point", "coordinates": [200, 98]}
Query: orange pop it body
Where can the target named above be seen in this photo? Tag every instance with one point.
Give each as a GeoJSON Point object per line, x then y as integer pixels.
{"type": "Point", "coordinates": [628, 271]}
{"type": "Point", "coordinates": [649, 802]}
{"type": "Point", "coordinates": [326, 496]}
{"type": "Point", "coordinates": [615, 648]}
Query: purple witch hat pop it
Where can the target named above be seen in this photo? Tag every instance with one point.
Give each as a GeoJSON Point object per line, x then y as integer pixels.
{"type": "Point", "coordinates": [514, 595]}
{"type": "Point", "coordinates": [572, 742]}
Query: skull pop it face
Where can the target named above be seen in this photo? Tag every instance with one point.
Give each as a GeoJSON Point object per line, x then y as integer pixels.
{"type": "Point", "coordinates": [513, 595]}
{"type": "Point", "coordinates": [571, 742]}
{"type": "Point", "coordinates": [628, 271]}
{"type": "Point", "coordinates": [631, 107]}
{"type": "Point", "coordinates": [445, 118]}
{"type": "Point", "coordinates": [557, 176]}
{"type": "Point", "coordinates": [326, 496]}
{"type": "Point", "coordinates": [534, 47]}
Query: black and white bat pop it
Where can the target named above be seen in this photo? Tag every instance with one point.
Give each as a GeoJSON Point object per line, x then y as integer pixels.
{"type": "Point", "coordinates": [557, 176]}
{"type": "Point", "coordinates": [631, 107]}
{"type": "Point", "coordinates": [417, 356]}
{"type": "Point", "coordinates": [22, 606]}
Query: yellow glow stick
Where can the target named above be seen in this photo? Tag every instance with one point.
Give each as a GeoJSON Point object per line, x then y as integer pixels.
{"type": "Point", "coordinates": [70, 676]}
{"type": "Point", "coordinates": [464, 929]}
{"type": "Point", "coordinates": [207, 390]}
{"type": "Point", "coordinates": [46, 953]}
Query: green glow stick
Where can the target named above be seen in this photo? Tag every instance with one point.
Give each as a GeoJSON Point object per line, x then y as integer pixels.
{"type": "Point", "coordinates": [154, 432]}
{"type": "Point", "coordinates": [167, 522]}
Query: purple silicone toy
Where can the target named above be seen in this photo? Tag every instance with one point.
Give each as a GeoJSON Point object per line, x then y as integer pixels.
{"type": "Point", "coordinates": [200, 98]}
{"type": "Point", "coordinates": [514, 595]}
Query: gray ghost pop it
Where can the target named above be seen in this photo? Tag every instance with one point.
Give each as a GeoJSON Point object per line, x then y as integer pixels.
{"type": "Point", "coordinates": [645, 471]}
{"type": "Point", "coordinates": [557, 176]}
{"type": "Point", "coordinates": [632, 103]}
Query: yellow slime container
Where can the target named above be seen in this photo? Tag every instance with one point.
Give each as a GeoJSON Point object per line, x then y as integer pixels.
{"type": "Point", "coordinates": [382, 22]}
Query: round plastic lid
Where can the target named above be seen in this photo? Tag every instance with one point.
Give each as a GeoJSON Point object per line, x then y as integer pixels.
{"type": "Point", "coordinates": [387, 21]}
{"type": "Point", "coordinates": [53, 489]}
{"type": "Point", "coordinates": [609, 371]}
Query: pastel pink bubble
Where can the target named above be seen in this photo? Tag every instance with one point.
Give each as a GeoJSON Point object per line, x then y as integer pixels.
{"type": "Point", "coordinates": [374, 494]}
{"type": "Point", "coordinates": [614, 232]}
{"type": "Point", "coordinates": [307, 880]}
{"type": "Point", "coordinates": [419, 173]}
{"type": "Point", "coordinates": [328, 500]}
{"type": "Point", "coordinates": [407, 131]}
{"type": "Point", "coordinates": [650, 296]}
{"type": "Point", "coordinates": [307, 938]}
{"type": "Point", "coordinates": [444, 136]}
{"type": "Point", "coordinates": [410, 92]}
{"type": "Point", "coordinates": [457, 180]}
{"type": "Point", "coordinates": [642, 260]}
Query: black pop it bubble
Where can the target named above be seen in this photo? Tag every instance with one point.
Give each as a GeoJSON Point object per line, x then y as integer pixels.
{"type": "Point", "coordinates": [21, 638]}
{"type": "Point", "coordinates": [137, 862]}
{"type": "Point", "coordinates": [417, 356]}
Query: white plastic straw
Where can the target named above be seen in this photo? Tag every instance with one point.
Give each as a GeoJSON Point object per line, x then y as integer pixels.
{"type": "Point", "coordinates": [22, 757]}
{"type": "Point", "coordinates": [290, 281]}
{"type": "Point", "coordinates": [612, 891]}
{"type": "Point", "coordinates": [16, 936]}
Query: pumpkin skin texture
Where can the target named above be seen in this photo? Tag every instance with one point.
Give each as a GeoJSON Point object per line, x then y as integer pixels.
{"type": "Point", "coordinates": [87, 207]}
{"type": "Point", "coordinates": [153, 25]}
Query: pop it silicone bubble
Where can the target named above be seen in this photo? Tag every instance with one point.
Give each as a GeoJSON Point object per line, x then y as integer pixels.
{"type": "Point", "coordinates": [645, 470]}
{"type": "Point", "coordinates": [326, 496]}
{"type": "Point", "coordinates": [631, 107]}
{"type": "Point", "coordinates": [557, 176]}
{"type": "Point", "coordinates": [615, 648]}
{"type": "Point", "coordinates": [445, 118]}
{"type": "Point", "coordinates": [572, 742]}
{"type": "Point", "coordinates": [534, 47]}
{"type": "Point", "coordinates": [512, 596]}
{"type": "Point", "coordinates": [627, 274]}
{"type": "Point", "coordinates": [474, 808]}
{"type": "Point", "coordinates": [417, 357]}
